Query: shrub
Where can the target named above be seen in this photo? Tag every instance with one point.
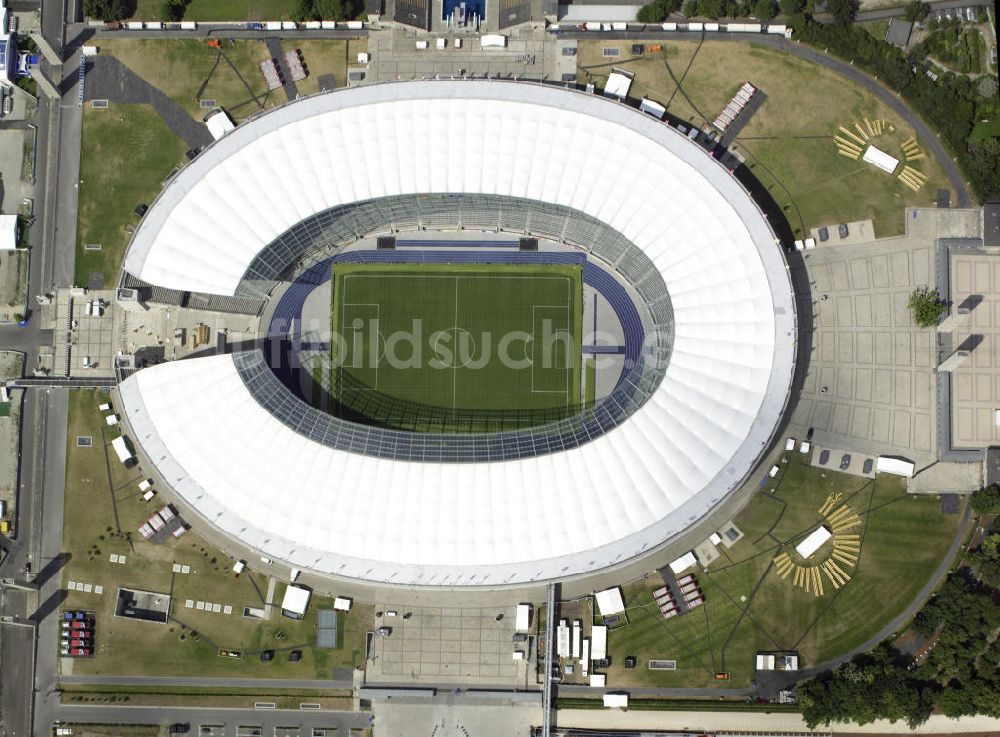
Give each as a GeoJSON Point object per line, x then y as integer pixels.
{"type": "Point", "coordinates": [987, 501]}
{"type": "Point", "coordinates": [926, 306]}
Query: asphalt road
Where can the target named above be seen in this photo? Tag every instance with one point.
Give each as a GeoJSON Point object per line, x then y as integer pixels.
{"type": "Point", "coordinates": [177, 682]}
{"type": "Point", "coordinates": [268, 720]}
{"type": "Point", "coordinates": [900, 12]}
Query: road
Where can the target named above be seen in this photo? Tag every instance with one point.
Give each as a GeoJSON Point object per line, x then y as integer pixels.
{"type": "Point", "coordinates": [177, 682]}
{"type": "Point", "coordinates": [928, 137]}
{"type": "Point", "coordinates": [868, 15]}
{"type": "Point", "coordinates": [268, 720]}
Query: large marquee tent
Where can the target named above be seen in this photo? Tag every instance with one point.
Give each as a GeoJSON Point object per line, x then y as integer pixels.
{"type": "Point", "coordinates": [404, 521]}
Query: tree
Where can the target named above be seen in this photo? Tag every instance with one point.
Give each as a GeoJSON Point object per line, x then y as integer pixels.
{"type": "Point", "coordinates": [987, 501]}
{"type": "Point", "coordinates": [764, 10]}
{"type": "Point", "coordinates": [791, 7]}
{"type": "Point", "coordinates": [651, 13]}
{"type": "Point", "coordinates": [690, 8]}
{"type": "Point", "coordinates": [843, 11]}
{"type": "Point", "coordinates": [172, 10]}
{"type": "Point", "coordinates": [868, 687]}
{"type": "Point", "coordinates": [926, 306]}
{"type": "Point", "coordinates": [335, 9]}
{"type": "Point", "coordinates": [917, 10]}
{"type": "Point", "coordinates": [303, 10]}
{"type": "Point", "coordinates": [711, 8]}
{"type": "Point", "coordinates": [108, 9]}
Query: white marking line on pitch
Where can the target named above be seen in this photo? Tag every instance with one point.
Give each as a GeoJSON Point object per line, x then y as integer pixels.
{"type": "Point", "coordinates": [343, 324]}
{"type": "Point", "coordinates": [565, 390]}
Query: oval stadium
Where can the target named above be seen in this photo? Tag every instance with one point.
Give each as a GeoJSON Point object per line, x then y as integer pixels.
{"type": "Point", "coordinates": [504, 332]}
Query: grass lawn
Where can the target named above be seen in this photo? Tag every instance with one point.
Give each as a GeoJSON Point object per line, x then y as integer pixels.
{"type": "Point", "coordinates": [189, 70]}
{"type": "Point", "coordinates": [788, 142]}
{"type": "Point", "coordinates": [877, 28]}
{"type": "Point", "coordinates": [326, 57]}
{"type": "Point", "coordinates": [127, 152]}
{"type": "Point", "coordinates": [221, 10]}
{"type": "Point", "coordinates": [470, 338]}
{"type": "Point", "coordinates": [101, 499]}
{"type": "Point", "coordinates": [749, 607]}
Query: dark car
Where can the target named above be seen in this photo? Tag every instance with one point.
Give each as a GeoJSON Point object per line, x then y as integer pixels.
{"type": "Point", "coordinates": [180, 728]}
{"type": "Point", "coordinates": [569, 51]}
{"type": "Point", "coordinates": [824, 457]}
{"type": "Point", "coordinates": [255, 26]}
{"type": "Point", "coordinates": [266, 656]}
{"type": "Point", "coordinates": [843, 230]}
{"type": "Point", "coordinates": [629, 661]}
{"type": "Point", "coordinates": [294, 656]}
{"type": "Point", "coordinates": [384, 631]}
{"type": "Point", "coordinates": [845, 461]}
{"type": "Point", "coordinates": [141, 210]}
{"type": "Point", "coordinates": [867, 468]}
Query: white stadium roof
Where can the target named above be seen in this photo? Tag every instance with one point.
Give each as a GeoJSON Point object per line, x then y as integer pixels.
{"type": "Point", "coordinates": [407, 522]}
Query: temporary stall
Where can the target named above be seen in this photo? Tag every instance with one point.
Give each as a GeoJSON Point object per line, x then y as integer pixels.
{"type": "Point", "coordinates": [609, 601]}
{"type": "Point", "coordinates": [898, 466]}
{"type": "Point", "coordinates": [684, 562]}
{"type": "Point", "coordinates": [295, 602]}
{"type": "Point", "coordinates": [652, 107]}
{"type": "Point", "coordinates": [121, 449]}
{"type": "Point", "coordinates": [813, 542]}
{"type": "Point", "coordinates": [598, 642]}
{"type": "Point", "coordinates": [522, 618]}
{"type": "Point", "coordinates": [219, 123]}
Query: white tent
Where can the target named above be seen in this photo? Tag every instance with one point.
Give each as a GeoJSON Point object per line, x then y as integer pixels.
{"type": "Point", "coordinates": [813, 542]}
{"type": "Point", "coordinates": [616, 700]}
{"type": "Point", "coordinates": [121, 449]}
{"type": "Point", "coordinates": [898, 466]}
{"type": "Point", "coordinates": [684, 562]}
{"type": "Point", "coordinates": [8, 232]}
{"type": "Point", "coordinates": [219, 123]}
{"type": "Point", "coordinates": [653, 108]}
{"type": "Point", "coordinates": [879, 158]}
{"type": "Point", "coordinates": [618, 84]}
{"type": "Point", "coordinates": [609, 601]}
{"type": "Point", "coordinates": [295, 602]}
{"type": "Point", "coordinates": [522, 618]}
{"type": "Point", "coordinates": [598, 642]}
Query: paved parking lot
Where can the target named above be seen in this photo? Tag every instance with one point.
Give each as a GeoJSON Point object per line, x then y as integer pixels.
{"type": "Point", "coordinates": [870, 388]}
{"type": "Point", "coordinates": [436, 644]}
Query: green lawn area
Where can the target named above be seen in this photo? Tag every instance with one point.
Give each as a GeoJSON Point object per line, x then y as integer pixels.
{"type": "Point", "coordinates": [463, 338]}
{"type": "Point", "coordinates": [221, 10]}
{"type": "Point", "coordinates": [788, 142]}
{"type": "Point", "coordinates": [101, 499]}
{"type": "Point", "coordinates": [127, 152]}
{"type": "Point", "coordinates": [188, 71]}
{"type": "Point", "coordinates": [749, 607]}
{"type": "Point", "coordinates": [877, 28]}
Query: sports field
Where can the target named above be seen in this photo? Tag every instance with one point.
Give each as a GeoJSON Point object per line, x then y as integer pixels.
{"type": "Point", "coordinates": [457, 340]}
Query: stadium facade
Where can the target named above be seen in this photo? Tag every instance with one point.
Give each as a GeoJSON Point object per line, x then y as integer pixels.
{"type": "Point", "coordinates": [696, 407]}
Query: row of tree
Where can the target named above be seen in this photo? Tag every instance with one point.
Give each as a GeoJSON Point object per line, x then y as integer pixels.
{"type": "Point", "coordinates": [658, 10]}
{"type": "Point", "coordinates": [959, 677]}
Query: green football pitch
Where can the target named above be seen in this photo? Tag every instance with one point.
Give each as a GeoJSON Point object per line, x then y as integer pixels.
{"type": "Point", "coordinates": [458, 339]}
